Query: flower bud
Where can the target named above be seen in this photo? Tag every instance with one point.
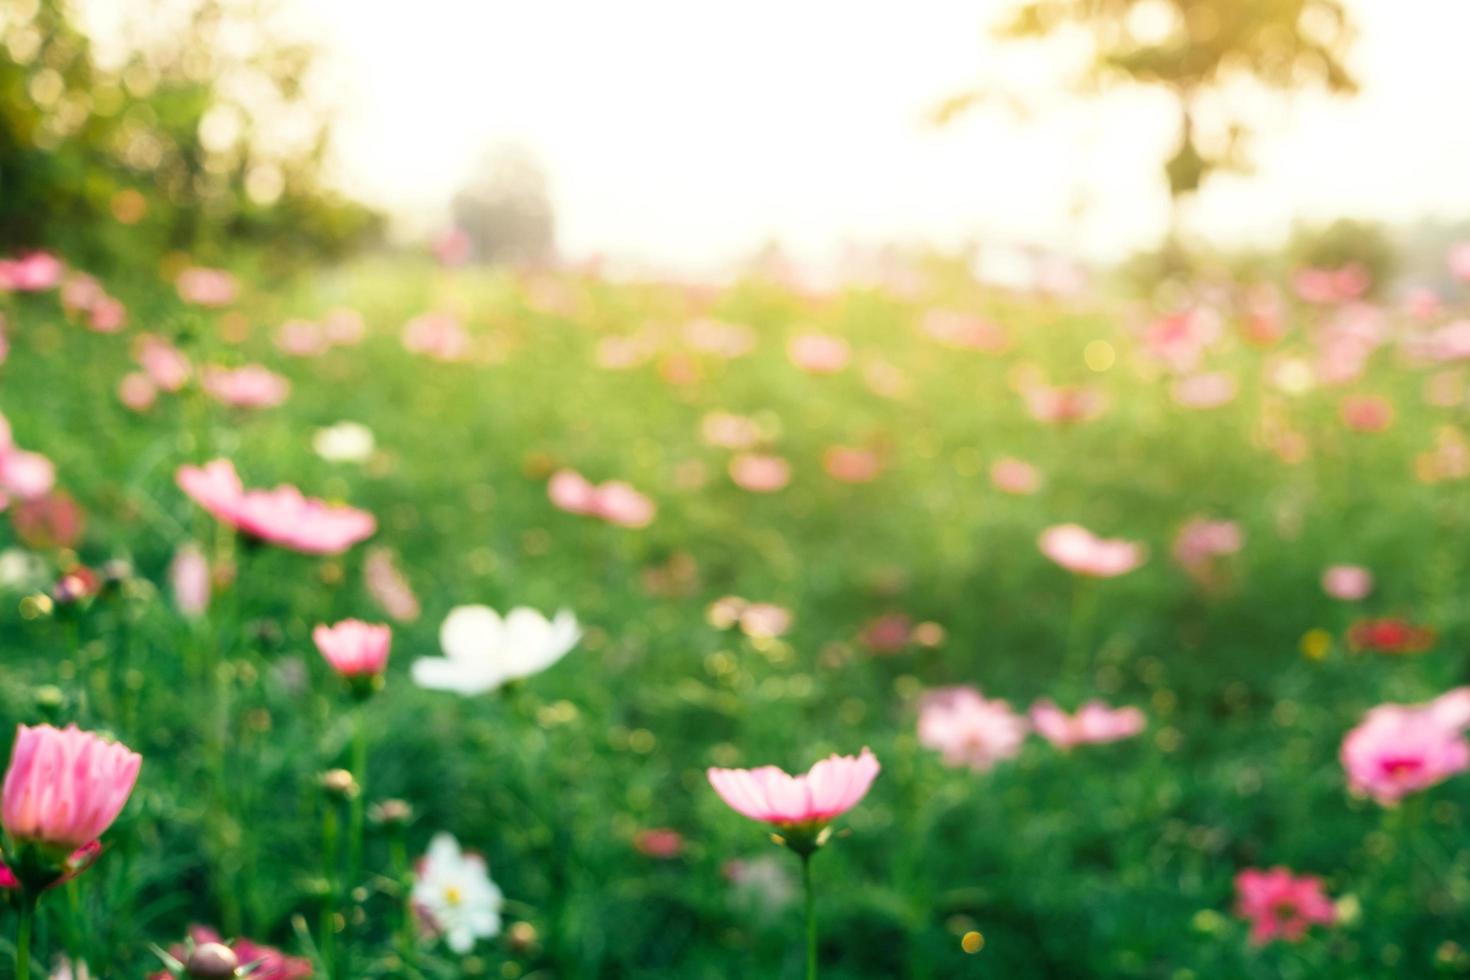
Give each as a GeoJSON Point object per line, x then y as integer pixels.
{"type": "Point", "coordinates": [392, 814]}
{"type": "Point", "coordinates": [339, 783]}
{"type": "Point", "coordinates": [212, 961]}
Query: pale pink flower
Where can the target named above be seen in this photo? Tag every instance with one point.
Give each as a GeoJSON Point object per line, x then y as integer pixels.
{"type": "Point", "coordinates": [344, 327]}
{"type": "Point", "coordinates": [107, 315]}
{"type": "Point", "coordinates": [886, 380]}
{"type": "Point", "coordinates": [1093, 723]}
{"type": "Point", "coordinates": [25, 475]}
{"type": "Point", "coordinates": [828, 790]}
{"type": "Point", "coordinates": [137, 391]}
{"type": "Point", "coordinates": [437, 335]}
{"type": "Point", "coordinates": [165, 365]}
{"type": "Point", "coordinates": [729, 431]}
{"type": "Point", "coordinates": [354, 648]}
{"type": "Point", "coordinates": [452, 247]}
{"type": "Point", "coordinates": [614, 501]}
{"type": "Point", "coordinates": [1061, 405]}
{"type": "Point", "coordinates": [1449, 343]}
{"type": "Point", "coordinates": [1452, 708]}
{"type": "Point", "coordinates": [4, 341]}
{"type": "Point", "coordinates": [282, 516]}
{"type": "Point", "coordinates": [1181, 339]}
{"type": "Point", "coordinates": [189, 580]}
{"type": "Point", "coordinates": [65, 787]}
{"type": "Point", "coordinates": [1201, 540]}
{"type": "Point", "coordinates": [1015, 476]}
{"type": "Point", "coordinates": [1079, 550]}
{"type": "Point", "coordinates": [1367, 413]}
{"type": "Point", "coordinates": [1423, 303]}
{"type": "Point", "coordinates": [717, 337]}
{"type": "Point", "coordinates": [1280, 905]}
{"type": "Point", "coordinates": [1350, 583]}
{"type": "Point", "coordinates": [302, 338]}
{"type": "Point", "coordinates": [79, 292]}
{"type": "Point", "coordinates": [969, 730]}
{"type": "Point", "coordinates": [1459, 261]}
{"type": "Point", "coordinates": [1327, 286]}
{"type": "Point", "coordinates": [32, 273]}
{"type": "Point", "coordinates": [1204, 390]}
{"type": "Point", "coordinates": [250, 386]}
{"type": "Point", "coordinates": [389, 587]}
{"type": "Point", "coordinates": [852, 465]}
{"type": "Point", "coordinates": [622, 353]}
{"type": "Point", "coordinates": [1400, 749]}
{"type": "Point", "coordinates": [819, 353]}
{"type": "Point", "coordinates": [760, 473]}
{"type": "Point", "coordinates": [206, 287]}
{"type": "Point", "coordinates": [966, 331]}
{"type": "Point", "coordinates": [764, 620]}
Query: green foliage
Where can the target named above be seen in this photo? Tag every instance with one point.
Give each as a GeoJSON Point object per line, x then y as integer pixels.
{"type": "Point", "coordinates": [117, 163]}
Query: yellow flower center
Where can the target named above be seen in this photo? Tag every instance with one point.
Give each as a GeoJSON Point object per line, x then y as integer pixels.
{"type": "Point", "coordinates": [453, 896]}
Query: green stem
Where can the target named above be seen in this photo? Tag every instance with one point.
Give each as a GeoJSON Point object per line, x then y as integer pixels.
{"type": "Point", "coordinates": [75, 927]}
{"type": "Point", "coordinates": [329, 901]}
{"type": "Point", "coordinates": [359, 800]}
{"type": "Point", "coordinates": [399, 856]}
{"type": "Point", "coordinates": [1078, 656]}
{"type": "Point", "coordinates": [811, 917]}
{"type": "Point", "coordinates": [23, 938]}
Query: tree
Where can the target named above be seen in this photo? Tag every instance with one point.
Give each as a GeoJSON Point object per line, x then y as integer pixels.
{"type": "Point", "coordinates": [1193, 49]}
{"type": "Point", "coordinates": [506, 208]}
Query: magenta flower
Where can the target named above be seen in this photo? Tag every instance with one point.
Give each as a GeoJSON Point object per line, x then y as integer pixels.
{"type": "Point", "coordinates": [828, 790]}
{"type": "Point", "coordinates": [354, 648]}
{"type": "Point", "coordinates": [1080, 551]}
{"type": "Point", "coordinates": [1350, 583]}
{"type": "Point", "coordinates": [1400, 749]}
{"type": "Point", "coordinates": [1180, 339]}
{"type": "Point", "coordinates": [283, 516]}
{"type": "Point", "coordinates": [969, 730]}
{"type": "Point", "coordinates": [614, 501]}
{"type": "Point", "coordinates": [251, 386]}
{"type": "Point", "coordinates": [65, 787]}
{"type": "Point", "coordinates": [1281, 905]}
{"type": "Point", "coordinates": [1094, 723]}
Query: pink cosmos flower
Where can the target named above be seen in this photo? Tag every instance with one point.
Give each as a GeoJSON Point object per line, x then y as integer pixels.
{"type": "Point", "coordinates": [302, 338]}
{"type": "Point", "coordinates": [965, 331]}
{"type": "Point", "coordinates": [165, 365]}
{"type": "Point", "coordinates": [437, 335]}
{"type": "Point", "coordinates": [828, 790]}
{"type": "Point", "coordinates": [25, 475]}
{"type": "Point", "coordinates": [79, 292]}
{"type": "Point", "coordinates": [189, 581]}
{"type": "Point", "coordinates": [659, 842]}
{"type": "Point", "coordinates": [1201, 540]}
{"type": "Point", "coordinates": [1449, 343]}
{"type": "Point", "coordinates": [283, 516]}
{"type": "Point", "coordinates": [137, 391]}
{"type": "Point", "coordinates": [344, 327]}
{"type": "Point", "coordinates": [54, 520]}
{"type": "Point", "coordinates": [717, 337]}
{"type": "Point", "coordinates": [65, 787]}
{"type": "Point", "coordinates": [1400, 749]}
{"type": "Point", "coordinates": [1080, 551]}
{"type": "Point", "coordinates": [206, 287]}
{"type": "Point", "coordinates": [250, 386]}
{"type": "Point", "coordinates": [764, 620]}
{"type": "Point", "coordinates": [729, 431]}
{"type": "Point", "coordinates": [389, 587]}
{"type": "Point", "coordinates": [1181, 339]}
{"type": "Point", "coordinates": [269, 963]}
{"type": "Point", "coordinates": [1281, 905]}
{"type": "Point", "coordinates": [107, 315]}
{"type": "Point", "coordinates": [354, 648]}
{"type": "Point", "coordinates": [1350, 583]}
{"type": "Point", "coordinates": [760, 473]}
{"type": "Point", "coordinates": [1015, 476]}
{"type": "Point", "coordinates": [1423, 303]}
{"type": "Point", "coordinates": [848, 464]}
{"type": "Point", "coordinates": [32, 273]}
{"type": "Point", "coordinates": [1367, 413]}
{"type": "Point", "coordinates": [1093, 723]}
{"type": "Point", "coordinates": [819, 353]}
{"type": "Point", "coordinates": [452, 247]}
{"type": "Point", "coordinates": [614, 501]}
{"type": "Point", "coordinates": [889, 633]}
{"type": "Point", "coordinates": [1459, 261]}
{"type": "Point", "coordinates": [969, 730]}
{"type": "Point", "coordinates": [1327, 286]}
{"type": "Point", "coordinates": [1202, 391]}
{"type": "Point", "coordinates": [1062, 405]}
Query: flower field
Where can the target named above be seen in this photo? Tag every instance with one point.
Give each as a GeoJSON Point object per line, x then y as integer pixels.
{"type": "Point", "coordinates": [449, 616]}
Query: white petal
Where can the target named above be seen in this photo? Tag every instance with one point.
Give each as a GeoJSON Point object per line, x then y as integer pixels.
{"type": "Point", "coordinates": [471, 632]}
{"type": "Point", "coordinates": [442, 674]}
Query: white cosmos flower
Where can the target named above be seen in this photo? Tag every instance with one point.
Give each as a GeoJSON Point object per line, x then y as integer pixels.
{"type": "Point", "coordinates": [482, 651]}
{"type": "Point", "coordinates": [345, 442]}
{"type": "Point", "coordinates": [455, 893]}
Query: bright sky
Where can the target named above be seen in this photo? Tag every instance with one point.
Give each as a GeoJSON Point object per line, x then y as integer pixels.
{"type": "Point", "coordinates": [688, 133]}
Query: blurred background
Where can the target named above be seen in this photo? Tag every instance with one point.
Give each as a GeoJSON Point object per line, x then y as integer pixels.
{"type": "Point", "coordinates": [662, 136]}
